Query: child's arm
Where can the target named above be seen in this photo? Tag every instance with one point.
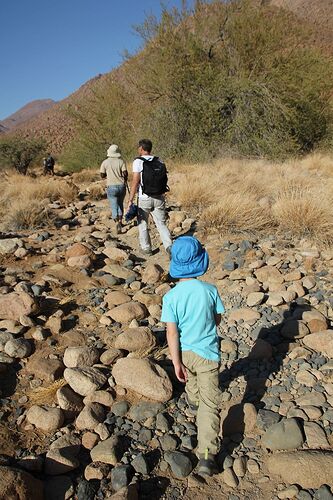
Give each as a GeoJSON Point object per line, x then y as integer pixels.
{"type": "Point", "coordinates": [173, 343]}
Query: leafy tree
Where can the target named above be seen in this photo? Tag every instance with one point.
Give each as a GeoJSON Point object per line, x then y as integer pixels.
{"type": "Point", "coordinates": [18, 152]}
{"type": "Point", "coordinates": [222, 77]}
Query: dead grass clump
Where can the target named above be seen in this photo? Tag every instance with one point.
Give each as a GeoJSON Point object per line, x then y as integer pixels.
{"type": "Point", "coordinates": [85, 176]}
{"type": "Point", "coordinates": [236, 213]}
{"type": "Point", "coordinates": [305, 213]}
{"type": "Point", "coordinates": [24, 200]}
{"type": "Point", "coordinates": [24, 216]}
{"type": "Point", "coordinates": [45, 395]}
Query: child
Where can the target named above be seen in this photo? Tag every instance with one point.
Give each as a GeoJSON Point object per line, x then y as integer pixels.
{"type": "Point", "coordinates": [192, 309]}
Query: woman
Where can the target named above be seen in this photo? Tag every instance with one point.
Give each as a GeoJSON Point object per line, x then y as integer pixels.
{"type": "Point", "coordinates": [115, 172]}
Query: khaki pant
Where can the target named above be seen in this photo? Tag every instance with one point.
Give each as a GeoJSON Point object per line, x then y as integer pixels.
{"type": "Point", "coordinates": [202, 388]}
{"type": "Point", "coordinates": [155, 207]}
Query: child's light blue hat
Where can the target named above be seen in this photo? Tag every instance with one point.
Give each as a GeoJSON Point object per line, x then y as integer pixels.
{"type": "Point", "coordinates": [188, 258]}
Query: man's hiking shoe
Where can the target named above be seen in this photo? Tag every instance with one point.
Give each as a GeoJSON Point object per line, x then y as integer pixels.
{"type": "Point", "coordinates": [207, 465]}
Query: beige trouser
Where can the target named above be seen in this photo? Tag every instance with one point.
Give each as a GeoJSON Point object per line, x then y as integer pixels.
{"type": "Point", "coordinates": [202, 388]}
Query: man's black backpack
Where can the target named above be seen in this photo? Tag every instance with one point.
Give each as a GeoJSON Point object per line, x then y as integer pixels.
{"type": "Point", "coordinates": [154, 177]}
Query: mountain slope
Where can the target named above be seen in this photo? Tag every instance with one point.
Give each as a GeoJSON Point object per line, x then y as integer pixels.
{"type": "Point", "coordinates": [24, 114]}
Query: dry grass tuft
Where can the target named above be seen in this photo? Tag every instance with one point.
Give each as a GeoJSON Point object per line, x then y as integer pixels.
{"type": "Point", "coordinates": [237, 196]}
{"type": "Point", "coordinates": [236, 213]}
{"type": "Point", "coordinates": [86, 176]}
{"type": "Point", "coordinates": [45, 395]}
{"type": "Point", "coordinates": [24, 200]}
{"type": "Point", "coordinates": [304, 213]}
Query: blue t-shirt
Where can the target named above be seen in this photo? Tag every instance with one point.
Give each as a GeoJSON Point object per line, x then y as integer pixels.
{"type": "Point", "coordinates": [192, 305]}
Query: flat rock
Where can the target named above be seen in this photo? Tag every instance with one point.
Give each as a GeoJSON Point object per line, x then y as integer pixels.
{"type": "Point", "coordinates": [116, 298]}
{"type": "Point", "coordinates": [17, 304]}
{"type": "Point", "coordinates": [148, 299]}
{"type": "Point", "coordinates": [104, 398]}
{"type": "Point", "coordinates": [143, 410]}
{"type": "Point", "coordinates": [84, 380]}
{"type": "Point", "coordinates": [18, 348]}
{"type": "Point", "coordinates": [106, 451]}
{"type": "Point", "coordinates": [284, 435]}
{"type": "Point", "coordinates": [136, 339]}
{"type": "Point", "coordinates": [144, 377]}
{"type": "Point", "coordinates": [125, 313]}
{"type": "Point", "coordinates": [45, 418]}
{"type": "Point", "coordinates": [119, 271]}
{"type": "Point", "coordinates": [315, 435]}
{"type": "Point", "coordinates": [321, 342]}
{"type": "Point", "coordinates": [307, 468]}
{"type": "Point", "coordinates": [48, 370]}
{"type": "Point", "coordinates": [244, 314]}
{"type": "Point", "coordinates": [80, 357]}
{"type": "Point", "coordinates": [79, 250]}
{"type": "Point", "coordinates": [9, 245]}
{"type": "Point", "coordinates": [268, 274]}
{"type": "Point", "coordinates": [115, 254]}
{"type": "Point", "coordinates": [59, 461]}
{"type": "Point", "coordinates": [16, 484]}
{"type": "Point", "coordinates": [180, 464]}
{"type": "Point", "coordinates": [255, 299]}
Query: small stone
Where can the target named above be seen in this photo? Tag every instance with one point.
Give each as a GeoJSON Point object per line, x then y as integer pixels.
{"type": "Point", "coordinates": [140, 464]}
{"type": "Point", "coordinates": [180, 464]}
{"type": "Point", "coordinates": [89, 440]}
{"type": "Point", "coordinates": [239, 466]}
{"type": "Point", "coordinates": [90, 416]}
{"type": "Point", "coordinates": [255, 299]}
{"type": "Point", "coordinates": [58, 461]}
{"type": "Point", "coordinates": [106, 451]}
{"type": "Point", "coordinates": [69, 400]}
{"type": "Point", "coordinates": [84, 380]}
{"type": "Point", "coordinates": [290, 492]}
{"type": "Point", "coordinates": [121, 476]}
{"type": "Point", "coordinates": [230, 478]}
{"type": "Point", "coordinates": [45, 418]}
{"type": "Point", "coordinates": [285, 435]}
{"type": "Point", "coordinates": [315, 435]}
{"type": "Point", "coordinates": [253, 466]}
{"type": "Point", "coordinates": [80, 357]}
{"type": "Point", "coordinates": [18, 348]}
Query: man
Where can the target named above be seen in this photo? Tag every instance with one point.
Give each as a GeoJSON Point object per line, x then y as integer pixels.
{"type": "Point", "coordinates": [114, 170]}
{"type": "Point", "coordinates": [48, 164]}
{"type": "Point", "coordinates": [149, 203]}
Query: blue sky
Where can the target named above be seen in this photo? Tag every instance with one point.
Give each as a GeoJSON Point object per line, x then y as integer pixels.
{"type": "Point", "coordinates": [51, 47]}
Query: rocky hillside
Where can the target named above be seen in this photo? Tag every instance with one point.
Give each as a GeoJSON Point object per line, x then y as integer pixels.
{"type": "Point", "coordinates": [319, 15]}
{"type": "Point", "coordinates": [58, 128]}
{"type": "Point", "coordinates": [90, 404]}
{"type": "Point", "coordinates": [31, 110]}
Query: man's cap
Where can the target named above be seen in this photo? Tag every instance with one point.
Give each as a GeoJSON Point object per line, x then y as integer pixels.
{"type": "Point", "coordinates": [188, 258]}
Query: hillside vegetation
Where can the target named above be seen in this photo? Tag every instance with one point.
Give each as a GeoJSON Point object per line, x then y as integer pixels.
{"type": "Point", "coordinates": [243, 82]}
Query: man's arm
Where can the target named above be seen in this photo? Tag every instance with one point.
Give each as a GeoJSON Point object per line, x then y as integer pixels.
{"type": "Point", "coordinates": [173, 343]}
{"type": "Point", "coordinates": [134, 188]}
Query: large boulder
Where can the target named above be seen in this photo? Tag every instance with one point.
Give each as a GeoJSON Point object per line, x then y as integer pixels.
{"type": "Point", "coordinates": [16, 484]}
{"type": "Point", "coordinates": [135, 339]}
{"type": "Point", "coordinates": [125, 313]}
{"type": "Point", "coordinates": [17, 304]}
{"type": "Point", "coordinates": [144, 377]}
{"type": "Point", "coordinates": [308, 468]}
{"type": "Point", "coordinates": [284, 435]}
{"type": "Point", "coordinates": [321, 342]}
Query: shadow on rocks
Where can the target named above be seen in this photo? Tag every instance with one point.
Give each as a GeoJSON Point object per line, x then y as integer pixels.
{"type": "Point", "coordinates": [264, 360]}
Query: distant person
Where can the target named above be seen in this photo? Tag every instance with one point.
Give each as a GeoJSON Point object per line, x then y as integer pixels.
{"type": "Point", "coordinates": [48, 164]}
{"type": "Point", "coordinates": [115, 171]}
{"type": "Point", "coordinates": [192, 310]}
{"type": "Point", "coordinates": [150, 178]}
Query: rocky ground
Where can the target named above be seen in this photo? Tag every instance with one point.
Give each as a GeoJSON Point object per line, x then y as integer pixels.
{"type": "Point", "coordinates": [90, 407]}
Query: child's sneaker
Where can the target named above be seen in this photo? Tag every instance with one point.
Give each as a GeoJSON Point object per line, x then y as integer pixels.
{"type": "Point", "coordinates": [207, 465]}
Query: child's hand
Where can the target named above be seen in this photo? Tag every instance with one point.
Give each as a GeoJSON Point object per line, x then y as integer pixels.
{"type": "Point", "coordinates": [181, 373]}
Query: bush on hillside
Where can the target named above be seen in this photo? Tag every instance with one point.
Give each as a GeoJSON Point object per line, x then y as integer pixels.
{"type": "Point", "coordinates": [242, 81]}
{"type": "Point", "coordinates": [19, 153]}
